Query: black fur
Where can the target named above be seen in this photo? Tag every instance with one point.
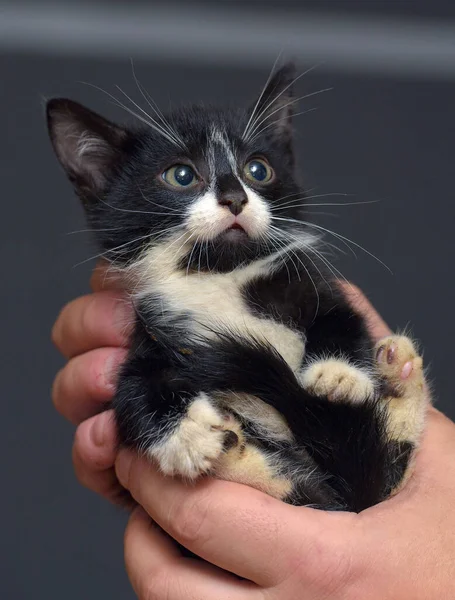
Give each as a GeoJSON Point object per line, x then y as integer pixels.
{"type": "Point", "coordinates": [117, 173]}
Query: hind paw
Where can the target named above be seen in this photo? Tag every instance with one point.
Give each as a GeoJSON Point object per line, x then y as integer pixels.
{"type": "Point", "coordinates": [198, 442]}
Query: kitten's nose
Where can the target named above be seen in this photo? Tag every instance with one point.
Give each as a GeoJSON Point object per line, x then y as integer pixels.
{"type": "Point", "coordinates": [234, 200]}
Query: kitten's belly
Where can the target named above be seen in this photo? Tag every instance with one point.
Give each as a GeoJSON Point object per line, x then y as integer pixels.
{"type": "Point", "coordinates": [215, 303]}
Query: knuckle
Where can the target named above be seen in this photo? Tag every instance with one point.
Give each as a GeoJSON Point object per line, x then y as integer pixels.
{"type": "Point", "coordinates": [93, 373]}
{"type": "Point", "coordinates": [188, 519]}
{"type": "Point", "coordinates": [64, 387]}
{"type": "Point", "coordinates": [334, 569]}
{"type": "Point", "coordinates": [56, 392]}
{"type": "Point", "coordinates": [88, 315]}
{"type": "Point", "coordinates": [157, 585]}
{"type": "Point", "coordinates": [79, 464]}
{"type": "Point", "coordinates": [56, 332]}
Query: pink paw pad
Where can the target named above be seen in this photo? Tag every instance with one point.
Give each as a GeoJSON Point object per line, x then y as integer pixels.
{"type": "Point", "coordinates": [406, 370]}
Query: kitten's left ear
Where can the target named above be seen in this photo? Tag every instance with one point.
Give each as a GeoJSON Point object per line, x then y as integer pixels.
{"type": "Point", "coordinates": [87, 145]}
{"type": "Point", "coordinates": [272, 112]}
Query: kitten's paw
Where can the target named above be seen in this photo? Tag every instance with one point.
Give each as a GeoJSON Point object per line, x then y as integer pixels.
{"type": "Point", "coordinates": [201, 437]}
{"type": "Point", "coordinates": [401, 369]}
{"type": "Point", "coordinates": [338, 380]}
{"type": "Point", "coordinates": [399, 364]}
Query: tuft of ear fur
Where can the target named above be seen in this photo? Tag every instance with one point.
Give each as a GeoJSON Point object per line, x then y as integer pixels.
{"type": "Point", "coordinates": [272, 112]}
{"type": "Point", "coordinates": [86, 144]}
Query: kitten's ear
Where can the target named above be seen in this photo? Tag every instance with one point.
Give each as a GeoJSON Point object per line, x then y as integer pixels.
{"type": "Point", "coordinates": [87, 145]}
{"type": "Point", "coordinates": [273, 111]}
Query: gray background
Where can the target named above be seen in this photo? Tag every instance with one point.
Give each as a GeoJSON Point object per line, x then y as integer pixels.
{"type": "Point", "coordinates": [381, 134]}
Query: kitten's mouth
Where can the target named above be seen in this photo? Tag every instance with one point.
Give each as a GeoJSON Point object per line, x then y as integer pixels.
{"type": "Point", "coordinates": [235, 233]}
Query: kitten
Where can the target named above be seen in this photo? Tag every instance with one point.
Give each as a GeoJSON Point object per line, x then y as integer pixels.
{"type": "Point", "coordinates": [246, 361]}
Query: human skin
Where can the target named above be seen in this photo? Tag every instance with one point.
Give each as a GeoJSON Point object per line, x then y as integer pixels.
{"type": "Point", "coordinates": [402, 549]}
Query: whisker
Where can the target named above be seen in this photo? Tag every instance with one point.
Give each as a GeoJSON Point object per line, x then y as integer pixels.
{"type": "Point", "coordinates": [305, 205]}
{"type": "Point", "coordinates": [304, 196]}
{"type": "Point", "coordinates": [290, 103]}
{"type": "Point", "coordinates": [150, 123]}
{"type": "Point", "coordinates": [112, 250]}
{"type": "Point", "coordinates": [191, 256]}
{"type": "Point", "coordinates": [342, 238]}
{"type": "Point", "coordinates": [172, 210]}
{"type": "Point", "coordinates": [253, 114]}
{"type": "Point", "coordinates": [126, 210]}
{"type": "Point", "coordinates": [277, 246]}
{"type": "Point", "coordinates": [308, 274]}
{"type": "Point", "coordinates": [297, 238]}
{"type": "Point", "coordinates": [90, 230]}
{"type": "Point", "coordinates": [298, 114]}
{"type": "Point", "coordinates": [153, 123]}
{"type": "Point", "coordinates": [153, 105]}
{"type": "Point", "coordinates": [263, 111]}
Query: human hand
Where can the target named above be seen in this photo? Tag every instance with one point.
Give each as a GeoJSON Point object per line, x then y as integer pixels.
{"type": "Point", "coordinates": [402, 549]}
{"type": "Point", "coordinates": [92, 333]}
{"type": "Point", "coordinates": [399, 549]}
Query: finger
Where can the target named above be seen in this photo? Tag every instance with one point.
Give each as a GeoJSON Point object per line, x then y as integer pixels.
{"type": "Point", "coordinates": [104, 277]}
{"type": "Point", "coordinates": [376, 325]}
{"type": "Point", "coordinates": [94, 453]}
{"type": "Point", "coordinates": [230, 525]}
{"type": "Point", "coordinates": [93, 321]}
{"type": "Point", "coordinates": [84, 385]}
{"type": "Point", "coordinates": [157, 570]}
{"type": "Point", "coordinates": [437, 448]}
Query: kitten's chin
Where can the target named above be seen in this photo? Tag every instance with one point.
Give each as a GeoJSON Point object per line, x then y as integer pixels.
{"type": "Point", "coordinates": [234, 235]}
{"type": "Point", "coordinates": [229, 250]}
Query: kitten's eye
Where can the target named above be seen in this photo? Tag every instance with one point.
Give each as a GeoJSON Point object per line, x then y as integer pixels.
{"type": "Point", "coordinates": [180, 176]}
{"type": "Point", "coordinates": [258, 170]}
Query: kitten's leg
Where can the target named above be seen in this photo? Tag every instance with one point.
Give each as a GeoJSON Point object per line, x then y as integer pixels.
{"type": "Point", "coordinates": [197, 441]}
{"type": "Point", "coordinates": [338, 380]}
{"type": "Point", "coordinates": [184, 432]}
{"type": "Point", "coordinates": [401, 369]}
{"type": "Point", "coordinates": [247, 463]}
{"type": "Point", "coordinates": [281, 470]}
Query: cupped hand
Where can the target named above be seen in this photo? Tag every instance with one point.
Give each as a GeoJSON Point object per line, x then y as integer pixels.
{"type": "Point", "coordinates": [92, 333]}
{"type": "Point", "coordinates": [403, 548]}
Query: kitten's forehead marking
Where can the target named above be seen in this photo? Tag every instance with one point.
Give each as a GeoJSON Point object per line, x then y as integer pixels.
{"type": "Point", "coordinates": [218, 140]}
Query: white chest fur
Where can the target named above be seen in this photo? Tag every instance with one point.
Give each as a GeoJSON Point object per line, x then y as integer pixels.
{"type": "Point", "coordinates": [215, 302]}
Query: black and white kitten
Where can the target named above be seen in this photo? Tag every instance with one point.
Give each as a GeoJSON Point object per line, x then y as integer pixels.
{"type": "Point", "coordinates": [246, 361]}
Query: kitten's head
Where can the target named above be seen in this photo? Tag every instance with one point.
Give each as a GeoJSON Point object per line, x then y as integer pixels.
{"type": "Point", "coordinates": [210, 185]}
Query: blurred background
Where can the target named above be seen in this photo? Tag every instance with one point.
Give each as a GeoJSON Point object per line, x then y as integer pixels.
{"type": "Point", "coordinates": [385, 133]}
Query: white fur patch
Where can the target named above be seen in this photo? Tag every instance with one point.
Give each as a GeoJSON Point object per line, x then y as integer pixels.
{"type": "Point", "coordinates": [207, 218]}
{"type": "Point", "coordinates": [195, 444]}
{"type": "Point", "coordinates": [219, 137]}
{"type": "Point", "coordinates": [338, 380]}
{"type": "Point", "coordinates": [214, 300]}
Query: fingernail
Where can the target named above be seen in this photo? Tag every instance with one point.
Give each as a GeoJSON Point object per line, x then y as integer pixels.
{"type": "Point", "coordinates": [123, 466]}
{"type": "Point", "coordinates": [98, 430]}
{"type": "Point", "coordinates": [112, 366]}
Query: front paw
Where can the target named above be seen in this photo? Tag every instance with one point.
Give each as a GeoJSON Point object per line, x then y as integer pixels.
{"type": "Point", "coordinates": [401, 369]}
{"type": "Point", "coordinates": [196, 444]}
{"type": "Point", "coordinates": [338, 381]}
{"type": "Point", "coordinates": [400, 365]}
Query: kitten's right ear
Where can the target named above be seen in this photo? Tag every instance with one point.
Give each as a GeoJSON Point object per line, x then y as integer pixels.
{"type": "Point", "coordinates": [87, 145]}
